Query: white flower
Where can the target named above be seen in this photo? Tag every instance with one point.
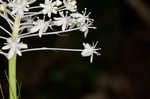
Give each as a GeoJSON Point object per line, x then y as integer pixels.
{"type": "Point", "coordinates": [14, 46]}
{"type": "Point", "coordinates": [49, 7]}
{"type": "Point", "coordinates": [41, 26]}
{"type": "Point", "coordinates": [19, 6]}
{"type": "Point", "coordinates": [81, 18]}
{"type": "Point", "coordinates": [70, 5]}
{"type": "Point", "coordinates": [27, 22]}
{"type": "Point", "coordinates": [90, 50]}
{"type": "Point", "coordinates": [58, 3]}
{"type": "Point", "coordinates": [83, 21]}
{"type": "Point", "coordinates": [85, 28]}
{"type": "Point", "coordinates": [62, 21]}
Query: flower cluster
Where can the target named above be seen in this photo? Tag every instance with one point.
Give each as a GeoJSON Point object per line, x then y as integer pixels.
{"type": "Point", "coordinates": [63, 14]}
{"type": "Point", "coordinates": [89, 50]}
{"type": "Point", "coordinates": [15, 46]}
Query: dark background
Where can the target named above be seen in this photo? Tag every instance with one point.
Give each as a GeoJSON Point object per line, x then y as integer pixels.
{"type": "Point", "coordinates": [121, 72]}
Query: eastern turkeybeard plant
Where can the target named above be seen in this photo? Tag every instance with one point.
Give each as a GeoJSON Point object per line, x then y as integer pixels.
{"type": "Point", "coordinates": [23, 19]}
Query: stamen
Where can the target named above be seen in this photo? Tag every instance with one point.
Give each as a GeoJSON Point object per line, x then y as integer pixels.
{"type": "Point", "coordinates": [89, 14]}
{"type": "Point", "coordinates": [92, 27]}
{"type": "Point", "coordinates": [84, 13]}
{"type": "Point", "coordinates": [95, 44]}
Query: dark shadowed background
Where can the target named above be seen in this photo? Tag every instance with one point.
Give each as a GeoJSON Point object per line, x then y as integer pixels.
{"type": "Point", "coordinates": [121, 72]}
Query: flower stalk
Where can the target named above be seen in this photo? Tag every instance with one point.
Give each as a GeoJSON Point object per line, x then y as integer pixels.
{"type": "Point", "coordinates": [12, 62]}
{"type": "Point", "coordinates": [12, 77]}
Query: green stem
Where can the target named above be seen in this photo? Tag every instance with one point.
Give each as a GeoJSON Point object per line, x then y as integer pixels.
{"type": "Point", "coordinates": [12, 63]}
{"type": "Point", "coordinates": [12, 78]}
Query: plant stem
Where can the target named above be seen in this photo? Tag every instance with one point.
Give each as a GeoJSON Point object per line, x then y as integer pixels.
{"type": "Point", "coordinates": [12, 62]}
{"type": "Point", "coordinates": [12, 78]}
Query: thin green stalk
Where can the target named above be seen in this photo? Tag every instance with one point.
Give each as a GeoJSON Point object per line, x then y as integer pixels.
{"type": "Point", "coordinates": [12, 63]}
{"type": "Point", "coordinates": [12, 78]}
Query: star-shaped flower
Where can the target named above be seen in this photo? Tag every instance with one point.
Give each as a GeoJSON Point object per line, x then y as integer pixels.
{"type": "Point", "coordinates": [19, 6]}
{"type": "Point", "coordinates": [85, 28]}
{"type": "Point", "coordinates": [14, 46]}
{"type": "Point", "coordinates": [83, 22]}
{"type": "Point", "coordinates": [49, 7]}
{"type": "Point", "coordinates": [27, 23]}
{"type": "Point", "coordinates": [63, 21]}
{"type": "Point", "coordinates": [41, 26]}
{"type": "Point", "coordinates": [90, 50]}
{"type": "Point", "coordinates": [70, 5]}
{"type": "Point", "coordinates": [81, 18]}
{"type": "Point", "coordinates": [58, 2]}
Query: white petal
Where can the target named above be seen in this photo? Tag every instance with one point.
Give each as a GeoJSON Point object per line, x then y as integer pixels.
{"type": "Point", "coordinates": [11, 53]}
{"type": "Point", "coordinates": [40, 33]}
{"type": "Point", "coordinates": [58, 19]}
{"type": "Point", "coordinates": [58, 23]}
{"type": "Point", "coordinates": [6, 47]}
{"type": "Point", "coordinates": [61, 14]}
{"type": "Point", "coordinates": [34, 29]}
{"type": "Point", "coordinates": [22, 46]}
{"type": "Point", "coordinates": [54, 10]}
{"type": "Point", "coordinates": [45, 28]}
{"type": "Point", "coordinates": [42, 5]}
{"type": "Point", "coordinates": [26, 9]}
{"type": "Point", "coordinates": [91, 59]}
{"type": "Point", "coordinates": [84, 44]}
{"type": "Point", "coordinates": [13, 12]}
{"type": "Point", "coordinates": [64, 26]}
{"type": "Point", "coordinates": [18, 52]}
{"type": "Point", "coordinates": [49, 14]}
{"type": "Point", "coordinates": [85, 33]}
{"type": "Point", "coordinates": [85, 53]}
{"type": "Point", "coordinates": [18, 40]}
{"type": "Point", "coordinates": [45, 11]}
{"type": "Point", "coordinates": [76, 15]}
{"type": "Point", "coordinates": [58, 3]}
{"type": "Point", "coordinates": [87, 46]}
{"type": "Point", "coordinates": [9, 40]}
